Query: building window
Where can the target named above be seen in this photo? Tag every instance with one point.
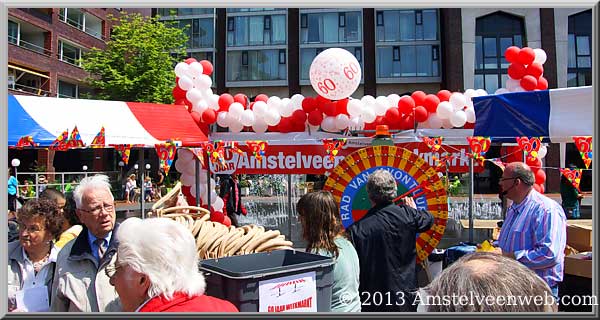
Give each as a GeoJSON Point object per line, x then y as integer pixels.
{"type": "Point", "coordinates": [165, 12]}
{"type": "Point", "coordinates": [332, 27]}
{"type": "Point", "coordinates": [406, 44]}
{"type": "Point", "coordinates": [255, 65]}
{"type": "Point", "coordinates": [494, 33]}
{"type": "Point", "coordinates": [85, 22]}
{"type": "Point", "coordinates": [13, 32]}
{"type": "Point", "coordinates": [358, 54]}
{"type": "Point", "coordinates": [200, 32]}
{"type": "Point", "coordinates": [579, 67]}
{"type": "Point", "coordinates": [67, 90]}
{"type": "Point", "coordinates": [303, 21]}
{"type": "Point", "coordinates": [69, 53]}
{"type": "Point", "coordinates": [256, 30]}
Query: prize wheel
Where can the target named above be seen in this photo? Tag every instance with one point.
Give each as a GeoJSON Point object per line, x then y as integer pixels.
{"type": "Point", "coordinates": [347, 182]}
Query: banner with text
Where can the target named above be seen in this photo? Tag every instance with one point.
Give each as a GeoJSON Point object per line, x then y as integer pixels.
{"type": "Point", "coordinates": [296, 293]}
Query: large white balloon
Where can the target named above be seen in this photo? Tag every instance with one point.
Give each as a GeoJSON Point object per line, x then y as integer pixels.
{"type": "Point", "coordinates": [328, 124]}
{"type": "Point", "coordinates": [247, 117]}
{"type": "Point", "coordinates": [355, 107]}
{"type": "Point", "coordinates": [480, 93]}
{"type": "Point", "coordinates": [199, 106]}
{"type": "Point", "coordinates": [540, 56]}
{"type": "Point", "coordinates": [236, 126]}
{"type": "Point", "coordinates": [542, 152]}
{"type": "Point", "coordinates": [342, 121]}
{"type": "Point", "coordinates": [272, 117]}
{"type": "Point", "coordinates": [185, 155]}
{"type": "Point", "coordinates": [181, 69]}
{"type": "Point", "coordinates": [235, 110]}
{"type": "Point", "coordinates": [218, 204]}
{"type": "Point", "coordinates": [381, 105]}
{"type": "Point", "coordinates": [446, 124]}
{"type": "Point", "coordinates": [394, 98]}
{"type": "Point", "coordinates": [458, 118]}
{"type": "Point", "coordinates": [297, 100]}
{"type": "Point", "coordinates": [356, 123]}
{"type": "Point", "coordinates": [444, 110]}
{"type": "Point", "coordinates": [368, 115]}
{"type": "Point", "coordinates": [259, 125]}
{"type": "Point", "coordinates": [457, 100]}
{"type": "Point", "coordinates": [368, 99]}
{"type": "Point", "coordinates": [335, 73]}
{"type": "Point", "coordinates": [185, 83]}
{"type": "Point", "coordinates": [259, 108]}
{"type": "Point", "coordinates": [223, 119]}
{"type": "Point", "coordinates": [196, 69]}
{"type": "Point", "coordinates": [204, 81]}
{"type": "Point", "coordinates": [470, 112]}
{"type": "Point", "coordinates": [435, 122]}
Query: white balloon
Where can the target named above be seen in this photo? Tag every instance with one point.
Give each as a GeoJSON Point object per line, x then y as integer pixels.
{"type": "Point", "coordinates": [199, 106]}
{"type": "Point", "coordinates": [444, 110]}
{"type": "Point", "coordinates": [356, 123]}
{"type": "Point", "coordinates": [196, 68]}
{"type": "Point", "coordinates": [540, 56]}
{"type": "Point", "coordinates": [193, 95]}
{"type": "Point", "coordinates": [259, 126]}
{"type": "Point", "coordinates": [470, 112]}
{"type": "Point", "coordinates": [342, 121]}
{"type": "Point", "coordinates": [394, 98]}
{"type": "Point", "coordinates": [481, 93]}
{"type": "Point", "coordinates": [511, 84]}
{"type": "Point", "coordinates": [355, 107]}
{"type": "Point", "coordinates": [185, 155]}
{"type": "Point", "coordinates": [381, 105]}
{"type": "Point", "coordinates": [189, 168]}
{"type": "Point", "coordinates": [328, 124]}
{"type": "Point", "coordinates": [236, 126]}
{"type": "Point", "coordinates": [518, 89]}
{"type": "Point", "coordinates": [274, 101]}
{"type": "Point", "coordinates": [204, 81]}
{"type": "Point", "coordinates": [368, 99]}
{"type": "Point", "coordinates": [247, 118]}
{"type": "Point", "coordinates": [213, 102]}
{"type": "Point", "coordinates": [297, 100]}
{"type": "Point", "coordinates": [260, 108]}
{"type": "Point", "coordinates": [180, 165]}
{"type": "Point", "coordinates": [542, 152]}
{"type": "Point", "coordinates": [501, 91]}
{"type": "Point", "coordinates": [181, 68]}
{"type": "Point", "coordinates": [335, 73]}
{"type": "Point", "coordinates": [272, 117]}
{"type": "Point", "coordinates": [214, 196]}
{"type": "Point", "coordinates": [446, 124]}
{"type": "Point", "coordinates": [368, 115]}
{"type": "Point", "coordinates": [458, 118]}
{"type": "Point", "coordinates": [223, 119]}
{"type": "Point", "coordinates": [469, 93]}
{"type": "Point", "coordinates": [187, 180]}
{"type": "Point", "coordinates": [457, 100]}
{"type": "Point", "coordinates": [185, 83]}
{"type": "Point", "coordinates": [235, 110]}
{"type": "Point", "coordinates": [202, 176]}
{"type": "Point", "coordinates": [286, 108]}
{"type": "Point", "coordinates": [218, 204]}
{"type": "Point", "coordinates": [434, 121]}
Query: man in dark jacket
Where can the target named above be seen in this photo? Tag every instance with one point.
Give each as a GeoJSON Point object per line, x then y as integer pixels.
{"type": "Point", "coordinates": [385, 240]}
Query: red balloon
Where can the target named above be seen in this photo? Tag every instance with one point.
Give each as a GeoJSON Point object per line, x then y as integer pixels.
{"type": "Point", "coordinates": [299, 126]}
{"type": "Point", "coordinates": [196, 116]}
{"type": "Point", "coordinates": [542, 84]}
{"type": "Point", "coordinates": [209, 116]}
{"type": "Point", "coordinates": [309, 104]}
{"type": "Point", "coordinates": [512, 54]}
{"type": "Point", "coordinates": [321, 101]}
{"type": "Point", "coordinates": [535, 69]}
{"type": "Point", "coordinates": [431, 102]}
{"type": "Point", "coordinates": [369, 126]}
{"type": "Point", "coordinates": [226, 221]}
{"type": "Point", "coordinates": [469, 125]}
{"type": "Point", "coordinates": [342, 106]}
{"type": "Point", "coordinates": [190, 60]}
{"type": "Point", "coordinates": [225, 100]}
{"type": "Point", "coordinates": [534, 164]}
{"type": "Point", "coordinates": [418, 96]}
{"type": "Point", "coordinates": [285, 124]}
{"type": "Point", "coordinates": [540, 177]}
{"type": "Point", "coordinates": [186, 191]}
{"type": "Point", "coordinates": [329, 109]}
{"type": "Point", "coordinates": [537, 188]}
{"type": "Point", "coordinates": [242, 99]}
{"type": "Point", "coordinates": [261, 97]}
{"type": "Point", "coordinates": [379, 120]}
{"type": "Point", "coordinates": [315, 117]}
{"type": "Point", "coordinates": [217, 216]}
{"type": "Point", "coordinates": [444, 95]}
{"type": "Point", "coordinates": [299, 116]}
{"type": "Point", "coordinates": [273, 128]}
{"type": "Point", "coordinates": [526, 55]}
{"type": "Point", "coordinates": [406, 105]}
{"type": "Point", "coordinates": [529, 83]}
{"type": "Point", "coordinates": [392, 115]}
{"type": "Point", "coordinates": [517, 70]}
{"type": "Point", "coordinates": [251, 106]}
{"type": "Point", "coordinates": [207, 67]}
{"type": "Point", "coordinates": [181, 102]}
{"type": "Point", "coordinates": [407, 122]}
{"type": "Point", "coordinates": [178, 93]}
{"type": "Point", "coordinates": [421, 114]}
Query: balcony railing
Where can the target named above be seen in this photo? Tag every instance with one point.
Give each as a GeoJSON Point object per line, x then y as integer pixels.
{"type": "Point", "coordinates": [33, 90]}
{"type": "Point", "coordinates": [29, 46]}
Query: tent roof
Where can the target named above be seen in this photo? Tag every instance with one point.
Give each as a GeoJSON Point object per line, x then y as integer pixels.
{"type": "Point", "coordinates": [146, 124]}
{"type": "Point", "coordinates": [557, 114]}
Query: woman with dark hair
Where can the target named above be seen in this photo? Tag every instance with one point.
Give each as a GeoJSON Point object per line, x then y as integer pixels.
{"type": "Point", "coordinates": [71, 227]}
{"type": "Point", "coordinates": [570, 197]}
{"type": "Point", "coordinates": [325, 235]}
{"type": "Point", "coordinates": [32, 259]}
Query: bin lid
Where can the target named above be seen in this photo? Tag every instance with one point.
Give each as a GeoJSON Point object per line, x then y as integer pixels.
{"type": "Point", "coordinates": [262, 264]}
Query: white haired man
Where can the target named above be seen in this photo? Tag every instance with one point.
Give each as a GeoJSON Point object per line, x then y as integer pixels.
{"type": "Point", "coordinates": [80, 283]}
{"type": "Point", "coordinates": [156, 269]}
{"type": "Point", "coordinates": [385, 240]}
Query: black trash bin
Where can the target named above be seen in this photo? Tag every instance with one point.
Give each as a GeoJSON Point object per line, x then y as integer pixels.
{"type": "Point", "coordinates": [236, 279]}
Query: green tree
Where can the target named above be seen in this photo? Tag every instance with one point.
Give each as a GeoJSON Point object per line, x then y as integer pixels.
{"type": "Point", "coordinates": [137, 63]}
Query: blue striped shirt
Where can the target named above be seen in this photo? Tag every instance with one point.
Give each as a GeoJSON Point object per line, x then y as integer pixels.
{"type": "Point", "coordinates": [535, 230]}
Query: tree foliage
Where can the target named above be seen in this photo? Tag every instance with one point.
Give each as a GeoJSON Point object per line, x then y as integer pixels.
{"type": "Point", "coordinates": [137, 63]}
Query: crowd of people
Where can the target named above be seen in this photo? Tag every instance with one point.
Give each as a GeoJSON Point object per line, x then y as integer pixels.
{"type": "Point", "coordinates": [72, 255]}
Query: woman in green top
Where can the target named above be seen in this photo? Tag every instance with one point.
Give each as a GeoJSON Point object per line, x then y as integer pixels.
{"type": "Point", "coordinates": [570, 197]}
{"type": "Point", "coordinates": [323, 231]}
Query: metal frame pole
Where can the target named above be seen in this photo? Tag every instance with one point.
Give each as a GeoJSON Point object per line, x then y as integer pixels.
{"type": "Point", "coordinates": [142, 169]}
{"type": "Point", "coordinates": [471, 191]}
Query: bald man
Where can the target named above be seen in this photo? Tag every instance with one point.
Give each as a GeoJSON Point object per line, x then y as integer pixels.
{"type": "Point", "coordinates": [534, 232]}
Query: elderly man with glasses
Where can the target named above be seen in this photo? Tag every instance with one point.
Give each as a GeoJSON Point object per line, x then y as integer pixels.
{"type": "Point", "coordinates": [80, 283]}
{"type": "Point", "coordinates": [534, 231]}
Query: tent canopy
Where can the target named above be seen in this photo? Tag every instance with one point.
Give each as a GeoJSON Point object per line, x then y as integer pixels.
{"type": "Point", "coordinates": [557, 114]}
{"type": "Point", "coordinates": [146, 124]}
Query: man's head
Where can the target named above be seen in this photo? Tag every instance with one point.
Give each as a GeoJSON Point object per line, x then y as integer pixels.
{"type": "Point", "coordinates": [381, 187]}
{"type": "Point", "coordinates": [516, 181]}
{"type": "Point", "coordinates": [156, 257]}
{"type": "Point", "coordinates": [482, 275]}
{"type": "Point", "coordinates": [95, 205]}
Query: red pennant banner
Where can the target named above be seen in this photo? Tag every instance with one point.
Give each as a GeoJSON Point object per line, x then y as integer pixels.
{"type": "Point", "coordinates": [479, 146]}
{"type": "Point", "coordinates": [333, 147]}
{"type": "Point", "coordinates": [124, 151]}
{"type": "Point", "coordinates": [26, 141]}
{"type": "Point", "coordinates": [573, 175]}
{"type": "Point", "coordinates": [584, 145]}
{"type": "Point", "coordinates": [75, 140]}
{"type": "Point", "coordinates": [198, 153]}
{"type": "Point", "coordinates": [99, 140]}
{"type": "Point", "coordinates": [257, 147]}
{"type": "Point", "coordinates": [166, 154]}
{"type": "Point", "coordinates": [60, 143]}
{"type": "Point", "coordinates": [530, 146]}
{"type": "Point", "coordinates": [434, 143]}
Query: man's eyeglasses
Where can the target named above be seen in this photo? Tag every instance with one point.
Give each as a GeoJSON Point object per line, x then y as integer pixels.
{"type": "Point", "coordinates": [96, 211]}
{"type": "Point", "coordinates": [111, 270]}
{"type": "Point", "coordinates": [513, 178]}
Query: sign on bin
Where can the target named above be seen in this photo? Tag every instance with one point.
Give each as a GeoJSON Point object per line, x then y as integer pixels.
{"type": "Point", "coordinates": [296, 293]}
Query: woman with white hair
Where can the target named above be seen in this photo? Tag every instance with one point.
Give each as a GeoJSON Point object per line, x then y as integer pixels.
{"type": "Point", "coordinates": [156, 269]}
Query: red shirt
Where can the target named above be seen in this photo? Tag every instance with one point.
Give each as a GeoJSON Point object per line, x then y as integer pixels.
{"type": "Point", "coordinates": [182, 303]}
